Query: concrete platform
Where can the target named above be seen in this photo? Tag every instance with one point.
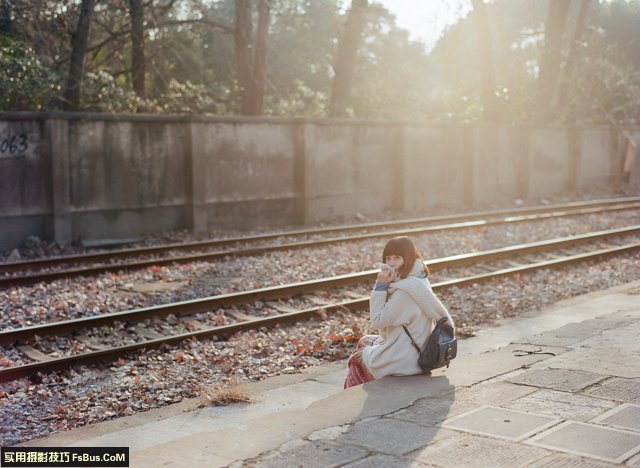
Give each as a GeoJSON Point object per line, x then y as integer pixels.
{"type": "Point", "coordinates": [556, 388]}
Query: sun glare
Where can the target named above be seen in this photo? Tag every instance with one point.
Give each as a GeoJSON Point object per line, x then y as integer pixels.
{"type": "Point", "coordinates": [426, 20]}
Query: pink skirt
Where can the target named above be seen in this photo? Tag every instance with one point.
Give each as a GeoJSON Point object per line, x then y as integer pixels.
{"type": "Point", "coordinates": [357, 372]}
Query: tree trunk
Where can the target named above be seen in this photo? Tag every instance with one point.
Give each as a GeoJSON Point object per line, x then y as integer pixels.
{"type": "Point", "coordinates": [346, 53]}
{"type": "Point", "coordinates": [259, 75]}
{"type": "Point", "coordinates": [576, 44]}
{"type": "Point", "coordinates": [136, 11]}
{"type": "Point", "coordinates": [489, 100]}
{"type": "Point", "coordinates": [242, 37]}
{"type": "Point", "coordinates": [6, 23]}
{"type": "Point", "coordinates": [551, 55]}
{"type": "Point", "coordinates": [79, 41]}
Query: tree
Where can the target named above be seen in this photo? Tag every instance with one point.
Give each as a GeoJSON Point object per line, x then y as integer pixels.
{"type": "Point", "coordinates": [251, 60]}
{"type": "Point", "coordinates": [301, 48]}
{"type": "Point", "coordinates": [346, 53]}
{"type": "Point", "coordinates": [486, 58]}
{"type": "Point", "coordinates": [393, 77]}
{"type": "Point", "coordinates": [551, 55]}
{"type": "Point", "coordinates": [6, 26]}
{"type": "Point", "coordinates": [259, 70]}
{"type": "Point", "coordinates": [606, 84]}
{"type": "Point", "coordinates": [25, 83]}
{"type": "Point", "coordinates": [136, 11]}
{"type": "Point", "coordinates": [571, 62]}
{"type": "Point", "coordinates": [79, 41]}
{"type": "Point", "coordinates": [243, 38]}
{"type": "Point", "coordinates": [189, 61]}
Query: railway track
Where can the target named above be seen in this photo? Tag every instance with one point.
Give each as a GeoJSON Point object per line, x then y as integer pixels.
{"type": "Point", "coordinates": [218, 315]}
{"type": "Point", "coordinates": [22, 273]}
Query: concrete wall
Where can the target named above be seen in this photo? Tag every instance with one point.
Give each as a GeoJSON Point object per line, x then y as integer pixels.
{"type": "Point", "coordinates": [350, 168]}
{"type": "Point", "coordinates": [629, 144]}
{"type": "Point", "coordinates": [592, 165]}
{"type": "Point", "coordinates": [25, 181]}
{"type": "Point", "coordinates": [244, 174]}
{"type": "Point", "coordinates": [124, 174]}
{"type": "Point", "coordinates": [437, 167]}
{"type": "Point", "coordinates": [67, 176]}
{"type": "Point", "coordinates": [499, 163]}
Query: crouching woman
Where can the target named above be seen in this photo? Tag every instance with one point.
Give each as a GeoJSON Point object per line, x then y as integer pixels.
{"type": "Point", "coordinates": [401, 296]}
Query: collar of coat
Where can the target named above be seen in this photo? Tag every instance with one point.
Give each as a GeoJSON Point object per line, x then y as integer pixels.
{"type": "Point", "coordinates": [417, 286]}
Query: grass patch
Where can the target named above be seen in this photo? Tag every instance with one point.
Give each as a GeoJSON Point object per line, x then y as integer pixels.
{"type": "Point", "coordinates": [222, 396]}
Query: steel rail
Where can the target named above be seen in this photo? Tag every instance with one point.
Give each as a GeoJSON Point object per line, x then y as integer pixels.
{"type": "Point", "coordinates": [205, 304]}
{"type": "Point", "coordinates": [16, 372]}
{"type": "Point", "coordinates": [49, 276]}
{"type": "Point", "coordinates": [9, 267]}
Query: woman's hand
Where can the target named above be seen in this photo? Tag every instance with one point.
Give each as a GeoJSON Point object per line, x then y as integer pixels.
{"type": "Point", "coordinates": [385, 276]}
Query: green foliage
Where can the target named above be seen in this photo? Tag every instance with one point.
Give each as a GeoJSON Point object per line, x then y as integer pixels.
{"type": "Point", "coordinates": [188, 98]}
{"type": "Point", "coordinates": [101, 93]}
{"type": "Point", "coordinates": [190, 64]}
{"type": "Point", "coordinates": [606, 91]}
{"type": "Point", "coordinates": [607, 86]}
{"type": "Point", "coordinates": [301, 101]}
{"type": "Point", "coordinates": [603, 88]}
{"type": "Point", "coordinates": [25, 83]}
{"type": "Point", "coordinates": [301, 47]}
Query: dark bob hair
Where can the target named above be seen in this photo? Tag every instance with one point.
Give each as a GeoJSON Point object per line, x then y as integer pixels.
{"type": "Point", "coordinates": [403, 247]}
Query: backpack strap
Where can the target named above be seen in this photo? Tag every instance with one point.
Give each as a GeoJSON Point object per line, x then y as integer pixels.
{"type": "Point", "coordinates": [411, 338]}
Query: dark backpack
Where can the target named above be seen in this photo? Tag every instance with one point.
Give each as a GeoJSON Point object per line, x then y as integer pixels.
{"type": "Point", "coordinates": [440, 348]}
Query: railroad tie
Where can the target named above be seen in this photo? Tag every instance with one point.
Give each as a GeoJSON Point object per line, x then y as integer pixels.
{"type": "Point", "coordinates": [192, 324]}
{"type": "Point", "coordinates": [33, 353]}
{"type": "Point", "coordinates": [90, 342]}
{"type": "Point", "coordinates": [351, 294]}
{"type": "Point", "coordinates": [147, 332]}
{"type": "Point", "coordinates": [282, 308]}
{"type": "Point", "coordinates": [318, 300]}
{"type": "Point", "coordinates": [239, 316]}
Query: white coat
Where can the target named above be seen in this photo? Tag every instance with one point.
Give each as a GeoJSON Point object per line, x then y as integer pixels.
{"type": "Point", "coordinates": [408, 301]}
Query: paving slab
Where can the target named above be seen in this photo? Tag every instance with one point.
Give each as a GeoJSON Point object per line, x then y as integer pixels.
{"type": "Point", "coordinates": [617, 389]}
{"type": "Point", "coordinates": [476, 451]}
{"type": "Point", "coordinates": [590, 440]}
{"type": "Point", "coordinates": [318, 454]}
{"type": "Point", "coordinates": [567, 380]}
{"type": "Point", "coordinates": [387, 461]}
{"type": "Point", "coordinates": [389, 436]}
{"type": "Point", "coordinates": [586, 307]}
{"type": "Point", "coordinates": [608, 350]}
{"type": "Point", "coordinates": [557, 460]}
{"type": "Point", "coordinates": [499, 422]}
{"type": "Point", "coordinates": [561, 405]}
{"type": "Point", "coordinates": [626, 416]}
{"type": "Point", "coordinates": [431, 411]}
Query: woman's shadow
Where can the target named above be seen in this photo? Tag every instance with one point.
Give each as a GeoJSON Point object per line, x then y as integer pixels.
{"type": "Point", "coordinates": [398, 419]}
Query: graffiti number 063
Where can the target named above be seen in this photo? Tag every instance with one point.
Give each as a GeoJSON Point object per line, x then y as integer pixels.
{"type": "Point", "coordinates": [15, 144]}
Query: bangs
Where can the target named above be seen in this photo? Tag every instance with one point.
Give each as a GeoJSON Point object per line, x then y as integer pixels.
{"type": "Point", "coordinates": [403, 247]}
{"type": "Point", "coordinates": [399, 246]}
